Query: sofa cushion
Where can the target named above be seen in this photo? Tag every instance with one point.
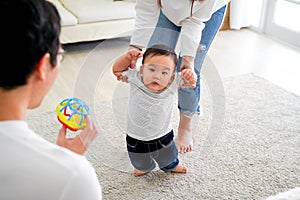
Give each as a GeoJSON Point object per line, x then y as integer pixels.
{"type": "Point", "coordinates": [88, 11]}
{"type": "Point", "coordinates": [66, 17]}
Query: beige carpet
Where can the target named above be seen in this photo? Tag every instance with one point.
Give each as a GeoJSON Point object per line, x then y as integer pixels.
{"type": "Point", "coordinates": [254, 155]}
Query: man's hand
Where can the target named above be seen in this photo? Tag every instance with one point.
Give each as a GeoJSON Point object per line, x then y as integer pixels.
{"type": "Point", "coordinates": [81, 142]}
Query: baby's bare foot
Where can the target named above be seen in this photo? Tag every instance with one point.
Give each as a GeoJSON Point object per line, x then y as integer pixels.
{"type": "Point", "coordinates": [137, 172]}
{"type": "Point", "coordinates": [180, 169]}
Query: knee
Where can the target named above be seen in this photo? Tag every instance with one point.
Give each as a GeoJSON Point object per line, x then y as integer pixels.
{"type": "Point", "coordinates": [145, 165]}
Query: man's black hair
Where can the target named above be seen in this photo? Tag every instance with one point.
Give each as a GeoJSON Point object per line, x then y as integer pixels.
{"type": "Point", "coordinates": [29, 29]}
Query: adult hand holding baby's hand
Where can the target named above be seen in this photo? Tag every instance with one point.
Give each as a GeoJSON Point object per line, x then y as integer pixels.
{"type": "Point", "coordinates": [187, 62]}
{"type": "Point", "coordinates": [187, 72]}
{"type": "Point", "coordinates": [134, 54]}
{"type": "Point", "coordinates": [189, 77]}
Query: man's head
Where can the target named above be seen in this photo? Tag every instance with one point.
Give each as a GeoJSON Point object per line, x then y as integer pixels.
{"type": "Point", "coordinates": [30, 30]}
{"type": "Point", "coordinates": [159, 63]}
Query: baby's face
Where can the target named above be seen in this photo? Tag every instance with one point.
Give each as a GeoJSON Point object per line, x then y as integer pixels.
{"type": "Point", "coordinates": [157, 72]}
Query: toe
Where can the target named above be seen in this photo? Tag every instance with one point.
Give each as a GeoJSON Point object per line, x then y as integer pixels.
{"type": "Point", "coordinates": [189, 148]}
{"type": "Point", "coordinates": [183, 149]}
{"type": "Point", "coordinates": [180, 150]}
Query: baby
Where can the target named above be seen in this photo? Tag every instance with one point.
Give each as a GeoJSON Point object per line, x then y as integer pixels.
{"type": "Point", "coordinates": [152, 91]}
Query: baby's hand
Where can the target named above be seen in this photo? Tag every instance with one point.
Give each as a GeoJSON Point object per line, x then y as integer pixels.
{"type": "Point", "coordinates": [133, 55]}
{"type": "Point", "coordinates": [122, 78]}
{"type": "Point", "coordinates": [189, 77]}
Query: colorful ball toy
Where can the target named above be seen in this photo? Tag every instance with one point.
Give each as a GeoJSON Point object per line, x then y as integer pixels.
{"type": "Point", "coordinates": [71, 113]}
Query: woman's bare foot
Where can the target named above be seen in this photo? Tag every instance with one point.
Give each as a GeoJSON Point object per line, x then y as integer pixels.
{"type": "Point", "coordinates": [184, 140]}
{"type": "Point", "coordinates": [137, 172]}
{"type": "Point", "coordinates": [180, 169]}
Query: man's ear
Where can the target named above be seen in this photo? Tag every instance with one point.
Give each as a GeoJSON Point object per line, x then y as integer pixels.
{"type": "Point", "coordinates": [41, 67]}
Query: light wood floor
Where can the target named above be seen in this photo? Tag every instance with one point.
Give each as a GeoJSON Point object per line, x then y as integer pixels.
{"type": "Point", "coordinates": [86, 67]}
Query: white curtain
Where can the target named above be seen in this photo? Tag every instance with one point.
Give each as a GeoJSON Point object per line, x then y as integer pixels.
{"type": "Point", "coordinates": [239, 14]}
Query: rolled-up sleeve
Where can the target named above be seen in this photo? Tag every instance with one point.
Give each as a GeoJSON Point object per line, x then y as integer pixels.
{"type": "Point", "coordinates": [147, 12]}
{"type": "Point", "coordinates": [191, 32]}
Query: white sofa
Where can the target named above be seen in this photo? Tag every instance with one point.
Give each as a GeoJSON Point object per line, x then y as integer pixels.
{"type": "Point", "coordinates": [90, 20]}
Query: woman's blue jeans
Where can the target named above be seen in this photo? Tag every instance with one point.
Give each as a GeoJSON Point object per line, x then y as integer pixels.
{"type": "Point", "coordinates": [167, 33]}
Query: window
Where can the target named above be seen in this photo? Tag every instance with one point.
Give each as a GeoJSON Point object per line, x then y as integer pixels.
{"type": "Point", "coordinates": [278, 18]}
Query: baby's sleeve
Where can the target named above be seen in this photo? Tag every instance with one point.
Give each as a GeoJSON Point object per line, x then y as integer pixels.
{"type": "Point", "coordinates": [128, 75]}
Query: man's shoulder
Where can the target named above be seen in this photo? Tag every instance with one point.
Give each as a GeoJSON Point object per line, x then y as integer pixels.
{"type": "Point", "coordinates": [44, 162]}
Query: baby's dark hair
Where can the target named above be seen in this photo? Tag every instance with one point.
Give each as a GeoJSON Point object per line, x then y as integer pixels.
{"type": "Point", "coordinates": [160, 50]}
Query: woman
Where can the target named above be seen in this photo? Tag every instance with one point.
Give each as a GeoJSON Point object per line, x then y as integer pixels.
{"type": "Point", "coordinates": [197, 23]}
